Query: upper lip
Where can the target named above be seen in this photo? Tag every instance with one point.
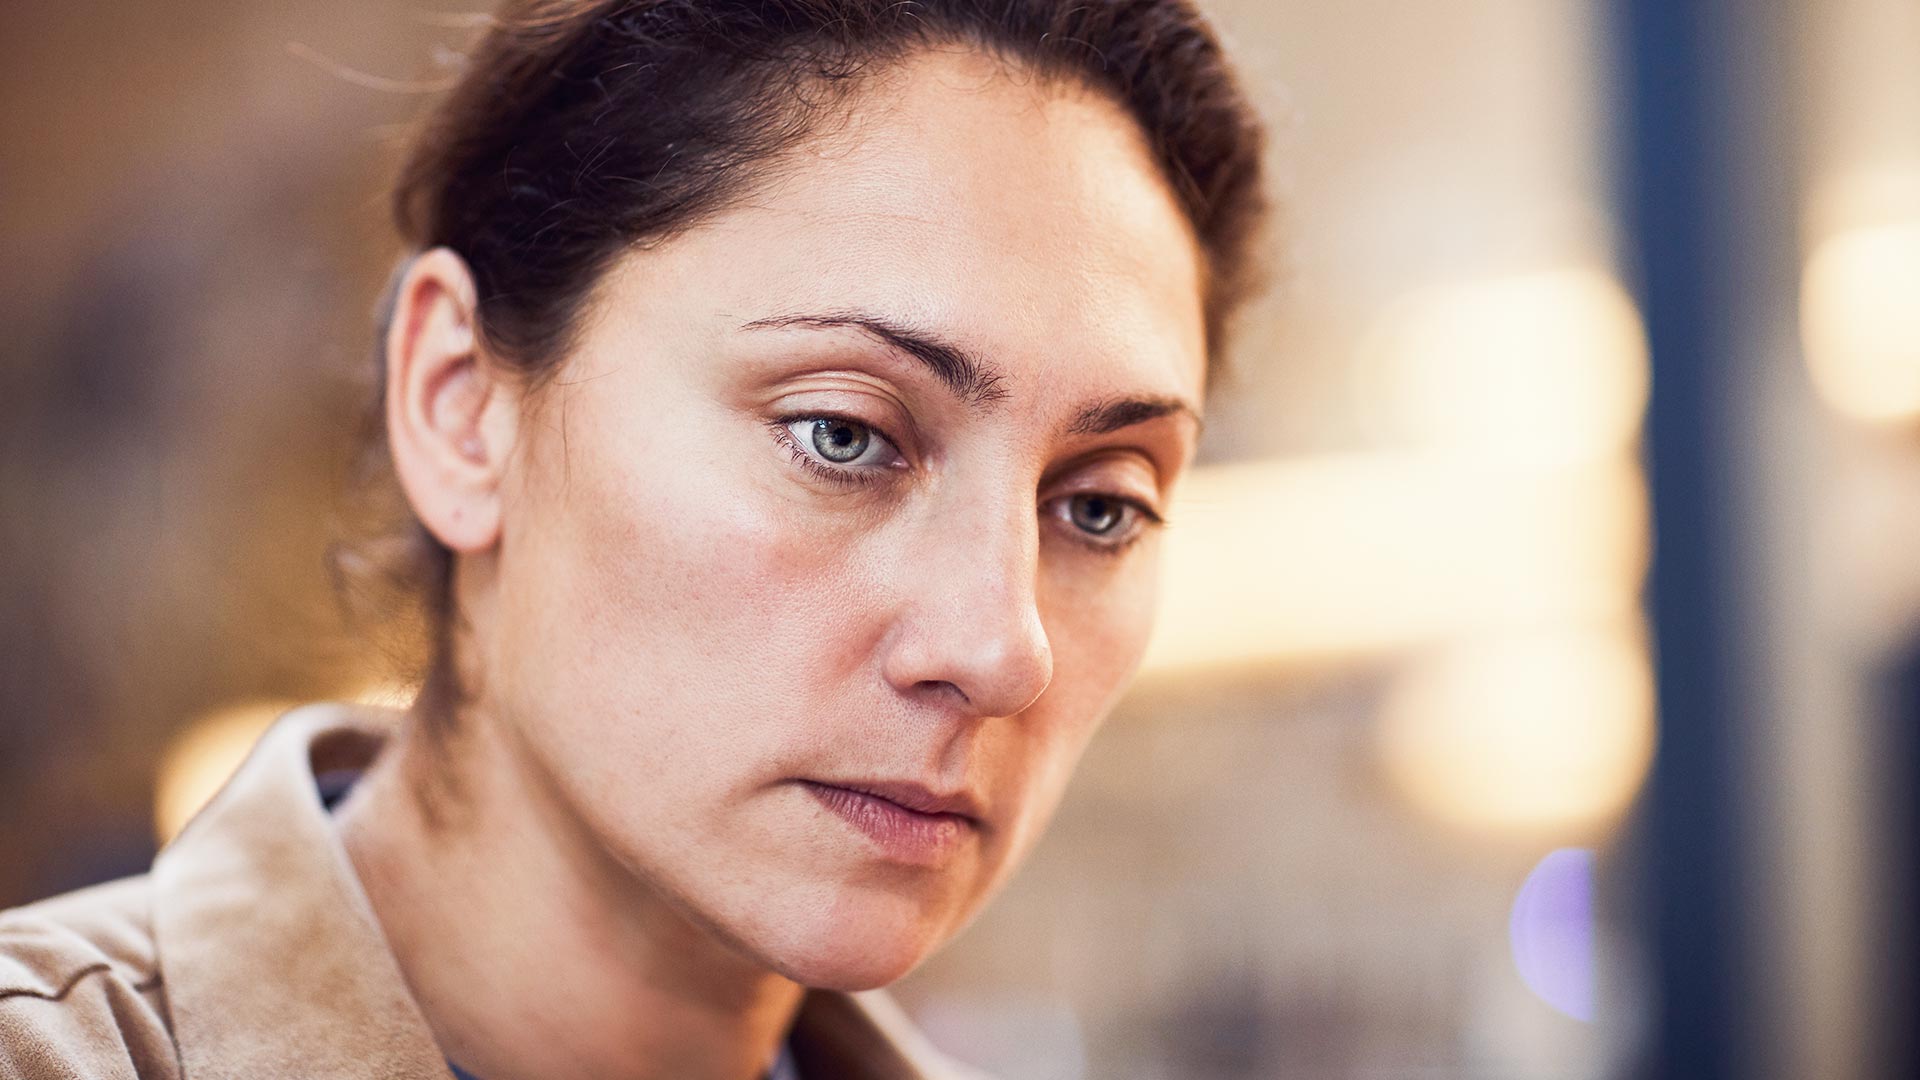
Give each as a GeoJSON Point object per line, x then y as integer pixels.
{"type": "Point", "coordinates": [914, 796]}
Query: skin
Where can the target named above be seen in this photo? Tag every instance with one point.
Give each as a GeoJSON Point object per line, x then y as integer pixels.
{"type": "Point", "coordinates": [673, 616]}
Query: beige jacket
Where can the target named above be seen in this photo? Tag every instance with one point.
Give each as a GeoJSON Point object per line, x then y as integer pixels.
{"type": "Point", "coordinates": [250, 952]}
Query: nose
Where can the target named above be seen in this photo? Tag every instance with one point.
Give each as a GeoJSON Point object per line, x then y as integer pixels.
{"type": "Point", "coordinates": [970, 621]}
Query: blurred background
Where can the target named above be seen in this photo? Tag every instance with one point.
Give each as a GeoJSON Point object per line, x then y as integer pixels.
{"type": "Point", "coordinates": [1539, 686]}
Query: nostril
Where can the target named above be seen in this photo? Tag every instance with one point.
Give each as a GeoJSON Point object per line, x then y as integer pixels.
{"type": "Point", "coordinates": [943, 688]}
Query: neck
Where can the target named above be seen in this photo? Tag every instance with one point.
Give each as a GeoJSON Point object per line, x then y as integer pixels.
{"type": "Point", "coordinates": [531, 951]}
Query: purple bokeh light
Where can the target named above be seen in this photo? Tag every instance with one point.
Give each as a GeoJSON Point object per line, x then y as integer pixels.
{"type": "Point", "coordinates": [1551, 930]}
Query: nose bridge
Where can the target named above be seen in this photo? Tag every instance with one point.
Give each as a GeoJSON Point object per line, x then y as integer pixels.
{"type": "Point", "coordinates": [974, 618]}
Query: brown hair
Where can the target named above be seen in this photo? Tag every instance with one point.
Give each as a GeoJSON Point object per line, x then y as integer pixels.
{"type": "Point", "coordinates": [581, 128]}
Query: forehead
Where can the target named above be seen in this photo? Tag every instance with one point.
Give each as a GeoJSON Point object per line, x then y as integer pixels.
{"type": "Point", "coordinates": [1024, 219]}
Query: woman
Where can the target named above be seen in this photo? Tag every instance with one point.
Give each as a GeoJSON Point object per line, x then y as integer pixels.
{"type": "Point", "coordinates": [787, 395]}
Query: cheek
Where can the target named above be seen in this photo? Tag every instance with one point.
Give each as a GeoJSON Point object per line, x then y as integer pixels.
{"type": "Point", "coordinates": [1098, 624]}
{"type": "Point", "coordinates": [1099, 619]}
{"type": "Point", "coordinates": [674, 605]}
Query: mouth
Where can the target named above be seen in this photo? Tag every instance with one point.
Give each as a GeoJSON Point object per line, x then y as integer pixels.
{"type": "Point", "coordinates": [905, 823]}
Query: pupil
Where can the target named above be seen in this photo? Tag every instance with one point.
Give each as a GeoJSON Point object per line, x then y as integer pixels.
{"type": "Point", "coordinates": [1095, 514]}
{"type": "Point", "coordinates": [838, 440]}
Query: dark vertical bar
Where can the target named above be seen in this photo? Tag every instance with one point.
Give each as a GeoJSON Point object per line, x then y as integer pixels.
{"type": "Point", "coordinates": [1673, 190]}
{"type": "Point", "coordinates": [1897, 961]}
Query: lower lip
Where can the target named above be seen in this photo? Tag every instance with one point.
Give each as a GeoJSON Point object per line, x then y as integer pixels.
{"type": "Point", "coordinates": [900, 834]}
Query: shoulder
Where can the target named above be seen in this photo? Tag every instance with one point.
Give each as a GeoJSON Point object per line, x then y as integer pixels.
{"type": "Point", "coordinates": [81, 993]}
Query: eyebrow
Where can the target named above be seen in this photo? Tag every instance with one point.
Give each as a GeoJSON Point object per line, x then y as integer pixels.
{"type": "Point", "coordinates": [1113, 414]}
{"type": "Point", "coordinates": [971, 379]}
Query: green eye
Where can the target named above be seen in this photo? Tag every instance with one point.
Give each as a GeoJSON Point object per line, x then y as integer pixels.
{"type": "Point", "coordinates": [1096, 514]}
{"type": "Point", "coordinates": [840, 441]}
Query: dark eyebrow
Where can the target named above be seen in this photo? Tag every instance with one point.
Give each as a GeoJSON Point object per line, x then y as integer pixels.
{"type": "Point", "coordinates": [971, 379]}
{"type": "Point", "coordinates": [1113, 414]}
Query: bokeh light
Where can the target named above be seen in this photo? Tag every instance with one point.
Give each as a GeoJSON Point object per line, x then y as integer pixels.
{"type": "Point", "coordinates": [1538, 369]}
{"type": "Point", "coordinates": [1860, 315]}
{"type": "Point", "coordinates": [1524, 731]}
{"type": "Point", "coordinates": [1340, 556]}
{"type": "Point", "coordinates": [1551, 931]}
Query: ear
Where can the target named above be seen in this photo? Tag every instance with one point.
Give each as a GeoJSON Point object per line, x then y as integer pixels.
{"type": "Point", "coordinates": [451, 419]}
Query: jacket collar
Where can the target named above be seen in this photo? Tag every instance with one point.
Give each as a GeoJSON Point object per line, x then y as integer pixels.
{"type": "Point", "coordinates": [275, 964]}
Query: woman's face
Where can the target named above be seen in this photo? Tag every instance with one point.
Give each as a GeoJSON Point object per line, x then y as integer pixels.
{"type": "Point", "coordinates": [827, 550]}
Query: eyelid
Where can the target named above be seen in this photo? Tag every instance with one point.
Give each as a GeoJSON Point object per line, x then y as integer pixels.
{"type": "Point", "coordinates": [1083, 476]}
{"type": "Point", "coordinates": [830, 394]}
{"type": "Point", "coordinates": [1164, 451]}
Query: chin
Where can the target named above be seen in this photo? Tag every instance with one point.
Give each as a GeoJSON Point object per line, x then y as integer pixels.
{"type": "Point", "coordinates": [862, 940]}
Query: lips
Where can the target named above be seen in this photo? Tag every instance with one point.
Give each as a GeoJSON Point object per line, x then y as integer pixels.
{"type": "Point", "coordinates": [904, 822]}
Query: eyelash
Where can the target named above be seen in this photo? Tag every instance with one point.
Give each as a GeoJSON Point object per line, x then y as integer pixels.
{"type": "Point", "coordinates": [836, 474]}
{"type": "Point", "coordinates": [866, 477]}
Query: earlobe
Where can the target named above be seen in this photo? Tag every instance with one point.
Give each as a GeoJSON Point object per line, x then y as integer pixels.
{"type": "Point", "coordinates": [444, 402]}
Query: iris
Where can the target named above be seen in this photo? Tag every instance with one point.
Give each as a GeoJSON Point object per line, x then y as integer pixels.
{"type": "Point", "coordinates": [840, 441]}
{"type": "Point", "coordinates": [1096, 514]}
